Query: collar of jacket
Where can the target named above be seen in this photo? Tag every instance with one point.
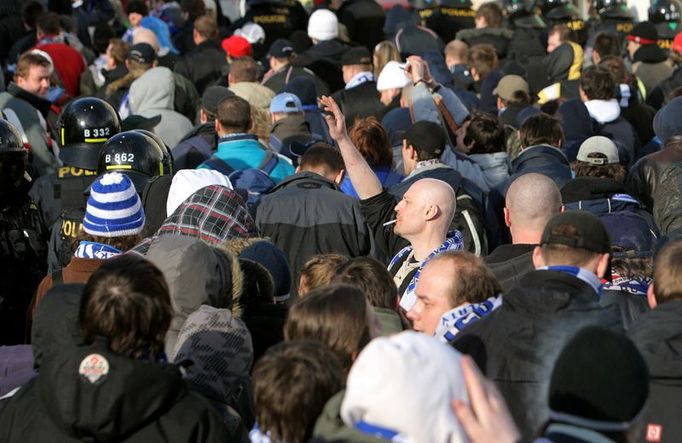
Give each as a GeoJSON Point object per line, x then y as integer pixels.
{"type": "Point", "coordinates": [507, 252]}
{"type": "Point", "coordinates": [603, 111]}
{"type": "Point", "coordinates": [311, 178]}
{"type": "Point", "coordinates": [292, 124]}
{"type": "Point", "coordinates": [537, 151]}
{"type": "Point", "coordinates": [649, 54]}
{"type": "Point", "coordinates": [41, 104]}
{"type": "Point", "coordinates": [545, 291]}
{"type": "Point", "coordinates": [237, 138]}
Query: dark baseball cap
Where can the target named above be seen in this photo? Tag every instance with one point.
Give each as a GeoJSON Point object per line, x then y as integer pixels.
{"type": "Point", "coordinates": [577, 229]}
{"type": "Point", "coordinates": [357, 56]}
{"type": "Point", "coordinates": [142, 53]}
{"type": "Point", "coordinates": [281, 48]}
{"type": "Point", "coordinates": [214, 95]}
{"type": "Point", "coordinates": [427, 138]}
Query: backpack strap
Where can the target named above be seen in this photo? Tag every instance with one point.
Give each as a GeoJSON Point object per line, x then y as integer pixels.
{"type": "Point", "coordinates": [219, 165]}
{"type": "Point", "coordinates": [269, 162]}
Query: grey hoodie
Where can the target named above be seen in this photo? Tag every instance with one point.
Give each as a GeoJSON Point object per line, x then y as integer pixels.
{"type": "Point", "coordinates": [154, 94]}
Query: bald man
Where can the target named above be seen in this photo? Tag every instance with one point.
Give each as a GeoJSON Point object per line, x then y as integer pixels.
{"type": "Point", "coordinates": [531, 200]}
{"type": "Point", "coordinates": [413, 230]}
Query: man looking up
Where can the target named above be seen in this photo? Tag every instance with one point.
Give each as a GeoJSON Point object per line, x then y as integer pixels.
{"type": "Point", "coordinates": [422, 217]}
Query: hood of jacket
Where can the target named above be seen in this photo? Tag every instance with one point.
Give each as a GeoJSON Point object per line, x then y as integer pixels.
{"type": "Point", "coordinates": [539, 156]}
{"type": "Point", "coordinates": [588, 188]}
{"type": "Point", "coordinates": [658, 335]}
{"type": "Point", "coordinates": [220, 349]}
{"type": "Point", "coordinates": [127, 395]}
{"type": "Point", "coordinates": [213, 214]}
{"type": "Point", "coordinates": [565, 62]}
{"type": "Point", "coordinates": [291, 125]}
{"type": "Point", "coordinates": [197, 274]}
{"type": "Point", "coordinates": [154, 90]}
{"type": "Point", "coordinates": [603, 111]}
{"type": "Point", "coordinates": [306, 180]}
{"type": "Point", "coordinates": [328, 50]}
{"type": "Point", "coordinates": [649, 54]}
{"type": "Point", "coordinates": [397, 18]}
{"type": "Point", "coordinates": [576, 119]}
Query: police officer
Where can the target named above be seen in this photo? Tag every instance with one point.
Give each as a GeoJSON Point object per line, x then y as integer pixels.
{"type": "Point", "coordinates": [526, 46]}
{"type": "Point", "coordinates": [168, 166]}
{"type": "Point", "coordinates": [83, 127]}
{"type": "Point", "coordinates": [563, 12]}
{"type": "Point", "coordinates": [447, 17]}
{"type": "Point", "coordinates": [613, 17]}
{"type": "Point", "coordinates": [665, 15]}
{"type": "Point", "coordinates": [22, 238]}
{"type": "Point", "coordinates": [278, 18]}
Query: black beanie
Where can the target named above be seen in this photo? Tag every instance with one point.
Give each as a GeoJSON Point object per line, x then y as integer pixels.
{"type": "Point", "coordinates": [600, 381]}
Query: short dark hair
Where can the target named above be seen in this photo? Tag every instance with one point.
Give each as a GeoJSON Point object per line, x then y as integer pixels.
{"type": "Point", "coordinates": [30, 12]}
{"type": "Point", "coordinates": [137, 6]}
{"type": "Point", "coordinates": [48, 23]}
{"type": "Point", "coordinates": [206, 27]}
{"type": "Point", "coordinates": [372, 278]}
{"type": "Point", "coordinates": [234, 114]}
{"type": "Point", "coordinates": [473, 281]}
{"type": "Point", "coordinates": [606, 43]}
{"type": "Point", "coordinates": [492, 13]}
{"type": "Point", "coordinates": [244, 69]}
{"type": "Point", "coordinates": [484, 58]}
{"type": "Point", "coordinates": [597, 83]}
{"type": "Point", "coordinates": [486, 132]}
{"type": "Point", "coordinates": [322, 156]}
{"type": "Point", "coordinates": [336, 315]}
{"type": "Point", "coordinates": [195, 8]}
{"type": "Point", "coordinates": [103, 34]}
{"type": "Point", "coordinates": [292, 382]}
{"type": "Point", "coordinates": [541, 129]}
{"type": "Point", "coordinates": [127, 301]}
{"type": "Point", "coordinates": [616, 67]}
{"type": "Point", "coordinates": [119, 50]}
{"type": "Point", "coordinates": [371, 139]}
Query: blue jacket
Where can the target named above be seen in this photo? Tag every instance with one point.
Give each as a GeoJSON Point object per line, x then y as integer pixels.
{"type": "Point", "coordinates": [244, 151]}
{"type": "Point", "coordinates": [543, 159]}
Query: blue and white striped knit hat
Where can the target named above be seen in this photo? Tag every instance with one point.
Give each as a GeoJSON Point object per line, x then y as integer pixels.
{"type": "Point", "coordinates": [114, 209]}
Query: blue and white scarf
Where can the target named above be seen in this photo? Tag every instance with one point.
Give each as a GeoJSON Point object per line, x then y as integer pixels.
{"type": "Point", "coordinates": [636, 286]}
{"type": "Point", "coordinates": [89, 249]}
{"type": "Point", "coordinates": [453, 242]}
{"type": "Point", "coordinates": [460, 317]}
{"type": "Point", "coordinates": [381, 433]}
{"type": "Point", "coordinates": [581, 273]}
{"type": "Point", "coordinates": [360, 78]}
{"type": "Point", "coordinates": [258, 436]}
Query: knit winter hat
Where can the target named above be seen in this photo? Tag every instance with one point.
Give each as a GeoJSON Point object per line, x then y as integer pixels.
{"type": "Point", "coordinates": [323, 25]}
{"type": "Point", "coordinates": [667, 123]}
{"type": "Point", "coordinates": [114, 208]}
{"type": "Point", "coordinates": [600, 381]}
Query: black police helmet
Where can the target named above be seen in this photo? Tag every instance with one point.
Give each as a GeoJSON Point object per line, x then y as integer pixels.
{"type": "Point", "coordinates": [617, 9]}
{"type": "Point", "coordinates": [167, 154]}
{"type": "Point", "coordinates": [516, 8]}
{"type": "Point", "coordinates": [134, 154]}
{"type": "Point", "coordinates": [84, 125]}
{"type": "Point", "coordinates": [10, 138]}
{"type": "Point", "coordinates": [664, 11]}
{"type": "Point", "coordinates": [456, 4]}
{"type": "Point", "coordinates": [547, 5]}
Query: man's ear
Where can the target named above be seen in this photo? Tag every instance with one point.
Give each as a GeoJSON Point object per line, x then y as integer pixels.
{"type": "Point", "coordinates": [507, 217]}
{"type": "Point", "coordinates": [603, 267]}
{"type": "Point", "coordinates": [339, 177]}
{"type": "Point", "coordinates": [216, 123]}
{"type": "Point", "coordinates": [538, 259]}
{"type": "Point", "coordinates": [651, 296]}
{"type": "Point", "coordinates": [432, 211]}
{"type": "Point", "coordinates": [297, 170]}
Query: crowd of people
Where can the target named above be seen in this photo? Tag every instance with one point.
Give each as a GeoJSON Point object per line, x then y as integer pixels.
{"type": "Point", "coordinates": [344, 221]}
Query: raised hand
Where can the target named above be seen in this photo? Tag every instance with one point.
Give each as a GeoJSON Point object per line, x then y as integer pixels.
{"type": "Point", "coordinates": [334, 118]}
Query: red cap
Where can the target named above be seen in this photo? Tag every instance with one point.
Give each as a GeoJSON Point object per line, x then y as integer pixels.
{"type": "Point", "coordinates": [641, 40]}
{"type": "Point", "coordinates": [237, 46]}
{"type": "Point", "coordinates": [677, 43]}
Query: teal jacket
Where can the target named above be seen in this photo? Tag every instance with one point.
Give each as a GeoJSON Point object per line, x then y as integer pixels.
{"type": "Point", "coordinates": [244, 151]}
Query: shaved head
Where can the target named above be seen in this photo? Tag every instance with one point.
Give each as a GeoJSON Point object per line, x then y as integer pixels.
{"type": "Point", "coordinates": [532, 199]}
{"type": "Point", "coordinates": [426, 210]}
{"type": "Point", "coordinates": [144, 35]}
{"type": "Point", "coordinates": [437, 192]}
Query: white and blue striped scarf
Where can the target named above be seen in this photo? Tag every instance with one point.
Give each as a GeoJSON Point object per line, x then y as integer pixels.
{"type": "Point", "coordinates": [360, 78]}
{"type": "Point", "coordinates": [89, 249]}
{"type": "Point", "coordinates": [581, 273]}
{"type": "Point", "coordinates": [460, 317]}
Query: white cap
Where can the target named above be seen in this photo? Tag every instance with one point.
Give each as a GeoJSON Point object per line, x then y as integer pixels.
{"type": "Point", "coordinates": [253, 32]}
{"type": "Point", "coordinates": [392, 77]}
{"type": "Point", "coordinates": [323, 25]}
{"type": "Point", "coordinates": [598, 144]}
{"type": "Point", "coordinates": [188, 181]}
{"type": "Point", "coordinates": [406, 383]}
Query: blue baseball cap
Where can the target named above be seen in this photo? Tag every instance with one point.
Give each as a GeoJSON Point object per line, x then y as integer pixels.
{"type": "Point", "coordinates": [286, 102]}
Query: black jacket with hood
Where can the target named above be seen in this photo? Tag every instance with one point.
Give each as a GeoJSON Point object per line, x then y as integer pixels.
{"type": "Point", "coordinates": [658, 336]}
